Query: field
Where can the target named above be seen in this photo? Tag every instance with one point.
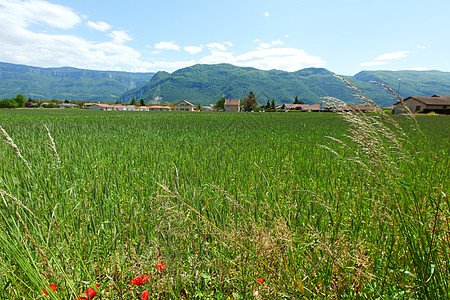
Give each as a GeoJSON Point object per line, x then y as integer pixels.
{"type": "Point", "coordinates": [236, 206]}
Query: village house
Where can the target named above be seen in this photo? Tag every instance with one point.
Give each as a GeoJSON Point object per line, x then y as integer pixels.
{"type": "Point", "coordinates": [306, 107]}
{"type": "Point", "coordinates": [66, 105]}
{"type": "Point", "coordinates": [101, 106]}
{"type": "Point", "coordinates": [232, 105]}
{"type": "Point", "coordinates": [158, 108]}
{"type": "Point", "coordinates": [184, 106]}
{"type": "Point", "coordinates": [416, 103]}
{"type": "Point", "coordinates": [88, 105]}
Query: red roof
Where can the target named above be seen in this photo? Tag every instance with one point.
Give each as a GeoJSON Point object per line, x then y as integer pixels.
{"type": "Point", "coordinates": [232, 102]}
{"type": "Point", "coordinates": [187, 102]}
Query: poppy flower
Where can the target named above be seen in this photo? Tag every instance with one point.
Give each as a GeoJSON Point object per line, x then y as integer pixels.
{"type": "Point", "coordinates": [144, 295]}
{"type": "Point", "coordinates": [52, 286]}
{"type": "Point", "coordinates": [141, 279]}
{"type": "Point", "coordinates": [260, 280]}
{"type": "Point", "coordinates": [160, 266]}
{"type": "Point", "coordinates": [89, 294]}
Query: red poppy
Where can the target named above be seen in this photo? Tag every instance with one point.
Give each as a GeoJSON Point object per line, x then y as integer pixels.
{"type": "Point", "coordinates": [141, 279]}
{"type": "Point", "coordinates": [160, 266]}
{"type": "Point", "coordinates": [260, 280]}
{"type": "Point", "coordinates": [52, 286]}
{"type": "Point", "coordinates": [144, 295]}
{"type": "Point", "coordinates": [89, 294]}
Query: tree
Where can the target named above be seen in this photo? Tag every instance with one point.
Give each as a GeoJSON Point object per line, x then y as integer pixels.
{"type": "Point", "coordinates": [117, 101]}
{"type": "Point", "coordinates": [250, 102]}
{"type": "Point", "coordinates": [267, 105]}
{"type": "Point", "coordinates": [220, 104]}
{"type": "Point", "coordinates": [273, 104]}
{"type": "Point", "coordinates": [133, 102]}
{"type": "Point", "coordinates": [8, 103]}
{"type": "Point", "coordinates": [296, 100]}
{"type": "Point", "coordinates": [142, 102]}
{"type": "Point", "coordinates": [20, 100]}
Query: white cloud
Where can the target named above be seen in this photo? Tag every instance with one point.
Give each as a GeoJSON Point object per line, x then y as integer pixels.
{"type": "Point", "coordinates": [421, 47]}
{"type": "Point", "coordinates": [373, 63]}
{"type": "Point", "coordinates": [288, 59]}
{"type": "Point", "coordinates": [216, 46]}
{"type": "Point", "coordinates": [418, 69]}
{"type": "Point", "coordinates": [266, 14]}
{"type": "Point", "coordinates": [217, 57]}
{"type": "Point", "coordinates": [25, 13]}
{"type": "Point", "coordinates": [392, 55]}
{"type": "Point", "coordinates": [167, 46]}
{"type": "Point", "coordinates": [193, 49]}
{"type": "Point", "coordinates": [229, 44]}
{"type": "Point", "coordinates": [277, 43]}
{"type": "Point", "coordinates": [120, 36]}
{"type": "Point", "coordinates": [268, 45]}
{"type": "Point", "coordinates": [100, 26]}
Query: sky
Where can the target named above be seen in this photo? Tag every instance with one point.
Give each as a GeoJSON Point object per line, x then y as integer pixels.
{"type": "Point", "coordinates": [343, 36]}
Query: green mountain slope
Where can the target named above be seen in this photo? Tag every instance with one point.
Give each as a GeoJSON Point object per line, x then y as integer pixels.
{"type": "Point", "coordinates": [67, 83]}
{"type": "Point", "coordinates": [410, 83]}
{"type": "Point", "coordinates": [205, 84]}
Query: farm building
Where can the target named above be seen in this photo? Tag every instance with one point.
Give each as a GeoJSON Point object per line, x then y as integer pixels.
{"type": "Point", "coordinates": [416, 103]}
{"type": "Point", "coordinates": [66, 105]}
{"type": "Point", "coordinates": [184, 106]}
{"type": "Point", "coordinates": [158, 108]}
{"type": "Point", "coordinates": [100, 106]}
{"type": "Point", "coordinates": [232, 105]}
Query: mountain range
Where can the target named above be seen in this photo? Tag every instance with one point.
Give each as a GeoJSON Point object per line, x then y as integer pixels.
{"type": "Point", "coordinates": [205, 84]}
{"type": "Point", "coordinates": [67, 83]}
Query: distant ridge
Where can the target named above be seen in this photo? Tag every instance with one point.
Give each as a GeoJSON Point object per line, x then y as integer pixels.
{"type": "Point", "coordinates": [67, 83]}
{"type": "Point", "coordinates": [205, 84]}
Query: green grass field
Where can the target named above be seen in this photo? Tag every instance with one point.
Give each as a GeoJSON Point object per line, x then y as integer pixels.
{"type": "Point", "coordinates": [223, 200]}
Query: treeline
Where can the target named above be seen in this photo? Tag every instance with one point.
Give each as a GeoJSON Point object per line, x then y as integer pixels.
{"type": "Point", "coordinates": [18, 101]}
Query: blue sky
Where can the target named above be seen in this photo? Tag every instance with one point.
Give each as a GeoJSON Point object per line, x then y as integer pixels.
{"type": "Point", "coordinates": [344, 36]}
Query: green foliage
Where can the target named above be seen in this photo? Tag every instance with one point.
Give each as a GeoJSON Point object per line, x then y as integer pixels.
{"type": "Point", "coordinates": [223, 200]}
{"type": "Point", "coordinates": [8, 103]}
{"type": "Point", "coordinates": [220, 104]}
{"type": "Point", "coordinates": [250, 103]}
{"type": "Point", "coordinates": [133, 102]}
{"type": "Point", "coordinates": [201, 83]}
{"type": "Point", "coordinates": [67, 83]}
{"type": "Point", "coordinates": [20, 99]}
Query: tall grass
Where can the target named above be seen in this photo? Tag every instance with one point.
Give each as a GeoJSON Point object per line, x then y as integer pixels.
{"type": "Point", "coordinates": [223, 200]}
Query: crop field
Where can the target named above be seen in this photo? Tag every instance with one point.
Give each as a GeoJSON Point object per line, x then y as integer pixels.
{"type": "Point", "coordinates": [223, 205]}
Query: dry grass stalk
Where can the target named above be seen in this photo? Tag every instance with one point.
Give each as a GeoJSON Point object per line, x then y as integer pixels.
{"type": "Point", "coordinates": [10, 142]}
{"type": "Point", "coordinates": [53, 147]}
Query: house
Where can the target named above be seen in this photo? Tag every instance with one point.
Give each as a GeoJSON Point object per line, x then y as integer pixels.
{"type": "Point", "coordinates": [118, 107]}
{"type": "Point", "coordinates": [232, 105]}
{"type": "Point", "coordinates": [306, 107]}
{"type": "Point", "coordinates": [101, 106]}
{"type": "Point", "coordinates": [363, 107]}
{"type": "Point", "coordinates": [184, 106]}
{"type": "Point", "coordinates": [66, 105]}
{"type": "Point", "coordinates": [416, 103]}
{"type": "Point", "coordinates": [288, 106]}
{"type": "Point", "coordinates": [159, 108]}
{"type": "Point", "coordinates": [88, 104]}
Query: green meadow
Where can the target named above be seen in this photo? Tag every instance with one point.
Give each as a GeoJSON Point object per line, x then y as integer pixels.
{"type": "Point", "coordinates": [236, 205]}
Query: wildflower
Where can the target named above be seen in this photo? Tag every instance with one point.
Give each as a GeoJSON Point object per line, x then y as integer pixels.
{"type": "Point", "coordinates": [144, 295]}
{"type": "Point", "coordinates": [52, 286]}
{"type": "Point", "coordinates": [260, 280]}
{"type": "Point", "coordinates": [160, 266]}
{"type": "Point", "coordinates": [141, 279]}
{"type": "Point", "coordinates": [89, 294]}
